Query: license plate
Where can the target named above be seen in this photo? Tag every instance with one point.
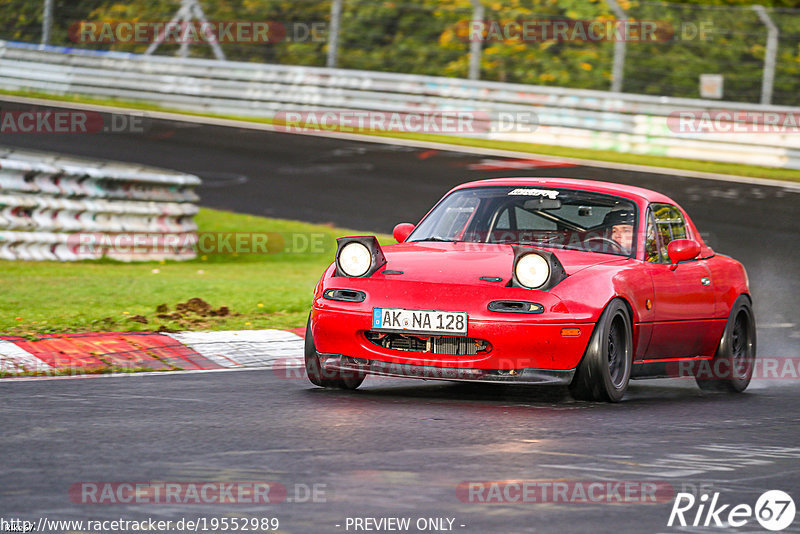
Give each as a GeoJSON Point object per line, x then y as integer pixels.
{"type": "Point", "coordinates": [419, 321]}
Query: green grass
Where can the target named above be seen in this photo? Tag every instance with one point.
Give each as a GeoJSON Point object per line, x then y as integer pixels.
{"type": "Point", "coordinates": [558, 151]}
{"type": "Point", "coordinates": [271, 290]}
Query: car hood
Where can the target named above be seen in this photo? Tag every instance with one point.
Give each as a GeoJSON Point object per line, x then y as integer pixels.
{"type": "Point", "coordinates": [467, 262]}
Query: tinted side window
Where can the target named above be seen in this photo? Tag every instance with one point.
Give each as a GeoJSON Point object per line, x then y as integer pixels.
{"type": "Point", "coordinates": [664, 224]}
{"type": "Point", "coordinates": [652, 251]}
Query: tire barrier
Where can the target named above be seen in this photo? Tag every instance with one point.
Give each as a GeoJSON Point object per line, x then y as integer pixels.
{"type": "Point", "coordinates": [65, 209]}
{"type": "Point", "coordinates": [641, 124]}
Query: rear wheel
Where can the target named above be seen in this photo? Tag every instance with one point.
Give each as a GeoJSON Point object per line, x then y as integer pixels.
{"type": "Point", "coordinates": [326, 378]}
{"type": "Point", "coordinates": [605, 370]}
{"type": "Point", "coordinates": [733, 363]}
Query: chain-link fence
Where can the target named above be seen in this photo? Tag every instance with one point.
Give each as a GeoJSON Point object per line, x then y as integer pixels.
{"type": "Point", "coordinates": [657, 48]}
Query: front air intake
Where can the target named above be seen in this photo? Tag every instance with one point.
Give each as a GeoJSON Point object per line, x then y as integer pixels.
{"type": "Point", "coordinates": [449, 345]}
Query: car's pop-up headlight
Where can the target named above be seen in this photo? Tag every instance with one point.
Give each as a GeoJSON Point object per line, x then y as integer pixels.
{"type": "Point", "coordinates": [532, 270]}
{"type": "Point", "coordinates": [358, 256]}
{"type": "Point", "coordinates": [536, 269]}
{"type": "Point", "coordinates": [355, 259]}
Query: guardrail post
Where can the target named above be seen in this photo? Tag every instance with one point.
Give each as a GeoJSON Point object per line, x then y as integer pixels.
{"type": "Point", "coordinates": [475, 45]}
{"type": "Point", "coordinates": [189, 9]}
{"type": "Point", "coordinates": [618, 69]}
{"type": "Point", "coordinates": [333, 34]}
{"type": "Point", "coordinates": [47, 21]}
{"type": "Point", "coordinates": [769, 57]}
{"type": "Point", "coordinates": [213, 41]}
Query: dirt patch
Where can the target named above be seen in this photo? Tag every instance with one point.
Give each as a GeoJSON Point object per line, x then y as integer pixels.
{"type": "Point", "coordinates": [194, 313]}
{"type": "Point", "coordinates": [196, 305]}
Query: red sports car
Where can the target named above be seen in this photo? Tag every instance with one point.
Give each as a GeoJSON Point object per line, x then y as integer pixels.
{"type": "Point", "coordinates": [539, 281]}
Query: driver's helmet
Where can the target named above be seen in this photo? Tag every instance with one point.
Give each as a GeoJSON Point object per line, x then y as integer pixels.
{"type": "Point", "coordinates": [619, 215]}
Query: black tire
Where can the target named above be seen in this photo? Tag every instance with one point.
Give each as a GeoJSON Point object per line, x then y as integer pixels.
{"type": "Point", "coordinates": [732, 367]}
{"type": "Point", "coordinates": [605, 370]}
{"type": "Point", "coordinates": [324, 378]}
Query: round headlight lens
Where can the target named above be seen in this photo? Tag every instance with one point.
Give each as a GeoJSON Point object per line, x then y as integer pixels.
{"type": "Point", "coordinates": [355, 259]}
{"type": "Point", "coordinates": [532, 270]}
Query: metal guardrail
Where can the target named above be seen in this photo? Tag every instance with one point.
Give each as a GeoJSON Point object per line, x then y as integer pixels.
{"type": "Point", "coordinates": [566, 117]}
{"type": "Point", "coordinates": [63, 208]}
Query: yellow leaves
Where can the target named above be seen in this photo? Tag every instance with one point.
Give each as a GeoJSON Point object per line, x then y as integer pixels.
{"type": "Point", "coordinates": [118, 10]}
{"type": "Point", "coordinates": [546, 77]}
{"type": "Point", "coordinates": [590, 54]}
{"type": "Point", "coordinates": [586, 66]}
{"type": "Point", "coordinates": [446, 37]}
{"type": "Point", "coordinates": [251, 5]}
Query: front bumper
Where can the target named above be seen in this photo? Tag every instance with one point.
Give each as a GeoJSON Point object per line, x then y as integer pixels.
{"type": "Point", "coordinates": [517, 340]}
{"type": "Point", "coordinates": [335, 362]}
{"type": "Point", "coordinates": [516, 343]}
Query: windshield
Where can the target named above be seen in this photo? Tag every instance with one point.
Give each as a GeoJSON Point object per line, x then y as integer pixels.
{"type": "Point", "coordinates": [554, 218]}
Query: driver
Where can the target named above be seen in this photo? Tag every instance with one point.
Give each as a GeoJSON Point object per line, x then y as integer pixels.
{"type": "Point", "coordinates": [620, 221]}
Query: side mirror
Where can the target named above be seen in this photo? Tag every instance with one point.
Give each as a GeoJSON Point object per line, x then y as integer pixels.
{"type": "Point", "coordinates": [403, 230]}
{"type": "Point", "coordinates": [680, 250]}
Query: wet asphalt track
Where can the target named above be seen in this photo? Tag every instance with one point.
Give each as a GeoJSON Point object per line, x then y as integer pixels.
{"type": "Point", "coordinates": [400, 448]}
{"type": "Point", "coordinates": [393, 448]}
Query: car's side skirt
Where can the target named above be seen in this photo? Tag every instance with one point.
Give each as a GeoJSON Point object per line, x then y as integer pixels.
{"type": "Point", "coordinates": [667, 368]}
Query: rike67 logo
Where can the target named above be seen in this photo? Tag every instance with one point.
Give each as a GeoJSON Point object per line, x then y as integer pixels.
{"type": "Point", "coordinates": [774, 510]}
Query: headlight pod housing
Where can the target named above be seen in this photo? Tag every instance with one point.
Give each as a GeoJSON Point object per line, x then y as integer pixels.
{"type": "Point", "coordinates": [358, 256]}
{"type": "Point", "coordinates": [536, 269]}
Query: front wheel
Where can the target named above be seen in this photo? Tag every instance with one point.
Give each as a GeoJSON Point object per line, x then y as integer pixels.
{"type": "Point", "coordinates": [733, 363]}
{"type": "Point", "coordinates": [605, 370]}
{"type": "Point", "coordinates": [325, 378]}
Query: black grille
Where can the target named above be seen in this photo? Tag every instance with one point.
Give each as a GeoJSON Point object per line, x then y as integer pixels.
{"type": "Point", "coordinates": [454, 346]}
